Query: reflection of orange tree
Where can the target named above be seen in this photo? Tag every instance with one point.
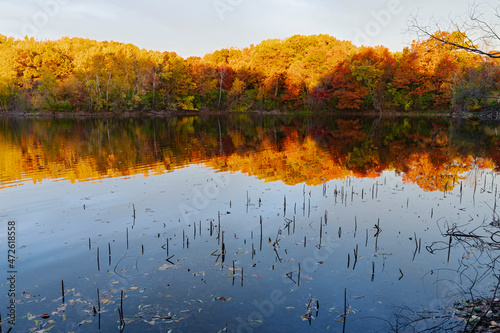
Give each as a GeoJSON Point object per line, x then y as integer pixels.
{"type": "Point", "coordinates": [430, 176]}
{"type": "Point", "coordinates": [300, 161]}
{"type": "Point", "coordinates": [429, 161]}
{"type": "Point", "coordinates": [290, 152]}
{"type": "Point", "coordinates": [31, 162]}
{"type": "Point", "coordinates": [76, 155]}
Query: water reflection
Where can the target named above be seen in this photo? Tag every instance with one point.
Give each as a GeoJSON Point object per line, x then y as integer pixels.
{"type": "Point", "coordinates": [433, 153]}
{"type": "Point", "coordinates": [203, 250]}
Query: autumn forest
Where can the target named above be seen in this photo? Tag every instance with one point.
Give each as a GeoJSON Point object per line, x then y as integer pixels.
{"type": "Point", "coordinates": [302, 73]}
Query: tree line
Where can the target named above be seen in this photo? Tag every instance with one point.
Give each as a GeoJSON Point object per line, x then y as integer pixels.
{"type": "Point", "coordinates": [302, 73]}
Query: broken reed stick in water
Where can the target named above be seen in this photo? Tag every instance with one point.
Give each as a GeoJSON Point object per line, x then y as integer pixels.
{"type": "Point", "coordinates": [62, 290]}
{"type": "Point", "coordinates": [449, 248]}
{"type": "Point", "coordinates": [261, 233]}
{"type": "Point", "coordinates": [98, 301]}
{"type": "Point", "coordinates": [320, 230]}
{"type": "Point", "coordinates": [460, 192]}
{"type": "Point", "coordinates": [345, 309]}
{"type": "Point", "coordinates": [98, 263]}
{"type": "Point", "coordinates": [219, 229]}
{"type": "Point", "coordinates": [121, 306]}
{"type": "Point", "coordinates": [355, 226]}
{"type": "Point", "coordinates": [298, 279]}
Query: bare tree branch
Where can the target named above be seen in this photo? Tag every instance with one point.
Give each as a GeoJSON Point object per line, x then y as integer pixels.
{"type": "Point", "coordinates": [477, 32]}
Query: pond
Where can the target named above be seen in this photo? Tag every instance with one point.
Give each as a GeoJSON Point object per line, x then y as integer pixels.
{"type": "Point", "coordinates": [244, 223]}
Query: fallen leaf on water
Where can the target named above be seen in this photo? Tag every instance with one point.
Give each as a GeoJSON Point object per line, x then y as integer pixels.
{"type": "Point", "coordinates": [134, 288]}
{"type": "Point", "coordinates": [320, 262]}
{"type": "Point", "coordinates": [45, 316]}
{"type": "Point", "coordinates": [290, 307]}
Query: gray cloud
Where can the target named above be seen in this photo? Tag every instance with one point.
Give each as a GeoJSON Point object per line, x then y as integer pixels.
{"type": "Point", "coordinates": [196, 27]}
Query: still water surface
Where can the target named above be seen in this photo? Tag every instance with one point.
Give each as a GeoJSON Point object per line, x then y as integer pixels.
{"type": "Point", "coordinates": [244, 224]}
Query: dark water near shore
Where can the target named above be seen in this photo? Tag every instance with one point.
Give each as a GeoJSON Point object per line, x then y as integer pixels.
{"type": "Point", "coordinates": [243, 224]}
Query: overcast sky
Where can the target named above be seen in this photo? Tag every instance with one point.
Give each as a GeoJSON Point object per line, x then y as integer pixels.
{"type": "Point", "coordinates": [198, 27]}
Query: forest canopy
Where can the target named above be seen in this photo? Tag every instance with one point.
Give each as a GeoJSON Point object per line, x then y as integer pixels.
{"type": "Point", "coordinates": [316, 73]}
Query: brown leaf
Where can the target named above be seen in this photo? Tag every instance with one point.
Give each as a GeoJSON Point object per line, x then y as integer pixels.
{"type": "Point", "coordinates": [45, 316]}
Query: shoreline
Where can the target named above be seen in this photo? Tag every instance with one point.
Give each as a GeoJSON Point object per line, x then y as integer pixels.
{"type": "Point", "coordinates": [188, 113]}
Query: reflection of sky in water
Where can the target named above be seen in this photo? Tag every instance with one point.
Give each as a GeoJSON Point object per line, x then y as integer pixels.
{"type": "Point", "coordinates": [54, 229]}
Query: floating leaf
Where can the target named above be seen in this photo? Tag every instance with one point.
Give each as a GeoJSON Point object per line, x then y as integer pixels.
{"type": "Point", "coordinates": [134, 288]}
{"type": "Point", "coordinates": [45, 316]}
